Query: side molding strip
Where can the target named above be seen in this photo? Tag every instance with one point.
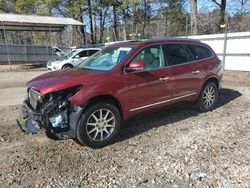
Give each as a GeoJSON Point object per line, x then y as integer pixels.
{"type": "Point", "coordinates": [139, 108]}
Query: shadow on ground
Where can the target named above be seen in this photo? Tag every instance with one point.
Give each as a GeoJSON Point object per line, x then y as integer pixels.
{"type": "Point", "coordinates": [145, 122]}
{"type": "Point", "coordinates": [34, 66]}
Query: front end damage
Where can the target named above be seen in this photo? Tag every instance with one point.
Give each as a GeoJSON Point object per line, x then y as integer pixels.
{"type": "Point", "coordinates": [53, 112]}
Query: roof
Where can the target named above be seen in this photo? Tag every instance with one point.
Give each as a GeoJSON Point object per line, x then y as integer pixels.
{"type": "Point", "coordinates": [21, 22]}
{"type": "Point", "coordinates": [144, 42]}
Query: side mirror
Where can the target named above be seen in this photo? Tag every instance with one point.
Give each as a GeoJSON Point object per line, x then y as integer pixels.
{"type": "Point", "coordinates": [77, 56]}
{"type": "Point", "coordinates": [135, 66]}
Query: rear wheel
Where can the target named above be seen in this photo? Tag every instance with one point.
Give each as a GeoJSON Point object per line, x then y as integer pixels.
{"type": "Point", "coordinates": [67, 66]}
{"type": "Point", "coordinates": [99, 125]}
{"type": "Point", "coordinates": [208, 97]}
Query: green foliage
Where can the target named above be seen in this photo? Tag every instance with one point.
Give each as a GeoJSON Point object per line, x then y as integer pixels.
{"type": "Point", "coordinates": [25, 6]}
{"type": "Point", "coordinates": [175, 17]}
{"type": "Point", "coordinates": [74, 8]}
{"type": "Point", "coordinates": [70, 8]}
{"type": "Point", "coordinates": [7, 6]}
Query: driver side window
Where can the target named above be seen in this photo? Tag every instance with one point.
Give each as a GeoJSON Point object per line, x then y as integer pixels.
{"type": "Point", "coordinates": [152, 57]}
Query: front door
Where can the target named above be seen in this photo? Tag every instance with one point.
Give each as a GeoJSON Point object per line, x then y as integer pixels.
{"type": "Point", "coordinates": [148, 88]}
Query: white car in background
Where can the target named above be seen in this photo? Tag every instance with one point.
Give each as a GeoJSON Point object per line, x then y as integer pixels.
{"type": "Point", "coordinates": [72, 58]}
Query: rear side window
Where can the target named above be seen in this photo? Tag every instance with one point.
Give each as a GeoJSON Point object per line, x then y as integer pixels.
{"type": "Point", "coordinates": [83, 54]}
{"type": "Point", "coordinates": [200, 52]}
{"type": "Point", "coordinates": [91, 52]}
{"type": "Point", "coordinates": [176, 54]}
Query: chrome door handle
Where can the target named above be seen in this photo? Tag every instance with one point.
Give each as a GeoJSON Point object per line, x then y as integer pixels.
{"type": "Point", "coordinates": [196, 72]}
{"type": "Point", "coordinates": [164, 78]}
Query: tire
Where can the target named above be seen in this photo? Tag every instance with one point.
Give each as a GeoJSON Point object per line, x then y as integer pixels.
{"type": "Point", "coordinates": [67, 66]}
{"type": "Point", "coordinates": [208, 97]}
{"type": "Point", "coordinates": [97, 132]}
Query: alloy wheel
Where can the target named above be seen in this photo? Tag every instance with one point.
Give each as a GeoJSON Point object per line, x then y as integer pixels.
{"type": "Point", "coordinates": [100, 125]}
{"type": "Point", "coordinates": [209, 96]}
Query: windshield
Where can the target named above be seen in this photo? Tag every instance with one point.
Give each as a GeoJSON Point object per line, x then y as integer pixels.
{"type": "Point", "coordinates": [105, 59]}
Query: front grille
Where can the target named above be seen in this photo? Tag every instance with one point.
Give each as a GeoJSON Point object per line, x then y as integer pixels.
{"type": "Point", "coordinates": [34, 96]}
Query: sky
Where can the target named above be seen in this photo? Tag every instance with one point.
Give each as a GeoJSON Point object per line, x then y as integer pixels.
{"type": "Point", "coordinates": [207, 5]}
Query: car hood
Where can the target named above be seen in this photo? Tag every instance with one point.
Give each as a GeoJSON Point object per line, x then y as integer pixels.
{"type": "Point", "coordinates": [58, 80]}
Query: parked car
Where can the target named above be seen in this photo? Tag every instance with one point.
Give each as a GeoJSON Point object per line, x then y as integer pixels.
{"type": "Point", "coordinates": [72, 58]}
{"type": "Point", "coordinates": [91, 102]}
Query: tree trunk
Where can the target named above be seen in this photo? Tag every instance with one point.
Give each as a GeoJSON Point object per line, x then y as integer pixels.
{"type": "Point", "coordinates": [134, 30]}
{"type": "Point", "coordinates": [83, 31]}
{"type": "Point", "coordinates": [124, 24]}
{"type": "Point", "coordinates": [193, 16]}
{"type": "Point", "coordinates": [90, 21]}
{"type": "Point", "coordinates": [144, 17]}
{"type": "Point", "coordinates": [222, 6]}
{"type": "Point", "coordinates": [166, 23]}
{"type": "Point", "coordinates": [222, 13]}
{"type": "Point", "coordinates": [95, 34]}
{"type": "Point", "coordinates": [101, 25]}
{"type": "Point", "coordinates": [115, 23]}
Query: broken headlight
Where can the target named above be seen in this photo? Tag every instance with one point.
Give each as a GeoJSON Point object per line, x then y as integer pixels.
{"type": "Point", "coordinates": [58, 116]}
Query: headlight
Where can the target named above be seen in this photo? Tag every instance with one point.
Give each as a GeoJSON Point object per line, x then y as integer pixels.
{"type": "Point", "coordinates": [34, 98]}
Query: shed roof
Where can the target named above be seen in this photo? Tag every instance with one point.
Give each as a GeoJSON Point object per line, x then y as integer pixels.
{"type": "Point", "coordinates": [21, 22]}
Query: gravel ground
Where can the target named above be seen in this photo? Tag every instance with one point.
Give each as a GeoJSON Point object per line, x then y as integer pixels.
{"type": "Point", "coordinates": [176, 147]}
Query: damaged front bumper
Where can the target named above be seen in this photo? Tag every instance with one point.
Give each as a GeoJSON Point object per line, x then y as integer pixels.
{"type": "Point", "coordinates": [58, 120]}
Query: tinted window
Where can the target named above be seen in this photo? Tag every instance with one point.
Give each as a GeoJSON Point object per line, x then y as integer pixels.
{"type": "Point", "coordinates": [152, 57]}
{"type": "Point", "coordinates": [91, 52]}
{"type": "Point", "coordinates": [200, 52]}
{"type": "Point", "coordinates": [83, 54]}
{"type": "Point", "coordinates": [176, 54]}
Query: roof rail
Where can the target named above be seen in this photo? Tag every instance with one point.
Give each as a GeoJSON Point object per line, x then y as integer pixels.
{"type": "Point", "coordinates": [173, 38]}
{"type": "Point", "coordinates": [138, 40]}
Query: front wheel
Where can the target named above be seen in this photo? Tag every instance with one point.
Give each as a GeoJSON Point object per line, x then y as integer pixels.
{"type": "Point", "coordinates": [99, 125]}
{"type": "Point", "coordinates": [208, 97]}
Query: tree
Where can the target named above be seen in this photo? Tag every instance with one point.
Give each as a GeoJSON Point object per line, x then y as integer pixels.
{"type": "Point", "coordinates": [7, 6]}
{"type": "Point", "coordinates": [242, 6]}
{"type": "Point", "coordinates": [90, 21]}
{"type": "Point", "coordinates": [175, 18]}
{"type": "Point", "coordinates": [193, 16]}
{"type": "Point", "coordinates": [222, 7]}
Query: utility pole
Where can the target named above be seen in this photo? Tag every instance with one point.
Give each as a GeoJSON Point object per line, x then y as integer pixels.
{"type": "Point", "coordinates": [225, 41]}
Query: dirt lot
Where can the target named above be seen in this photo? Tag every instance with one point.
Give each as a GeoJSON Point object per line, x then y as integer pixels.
{"type": "Point", "coordinates": [177, 147]}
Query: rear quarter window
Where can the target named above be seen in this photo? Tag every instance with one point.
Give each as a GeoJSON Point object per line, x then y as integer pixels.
{"type": "Point", "coordinates": [200, 52]}
{"type": "Point", "coordinates": [91, 52]}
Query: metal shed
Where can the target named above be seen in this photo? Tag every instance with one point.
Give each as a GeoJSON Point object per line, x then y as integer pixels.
{"type": "Point", "coordinates": [17, 22]}
{"type": "Point", "coordinates": [24, 53]}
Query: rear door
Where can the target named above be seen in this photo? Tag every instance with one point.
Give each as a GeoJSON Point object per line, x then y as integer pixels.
{"type": "Point", "coordinates": [185, 72]}
{"type": "Point", "coordinates": [148, 88]}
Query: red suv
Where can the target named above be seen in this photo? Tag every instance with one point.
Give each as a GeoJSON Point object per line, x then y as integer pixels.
{"type": "Point", "coordinates": [90, 103]}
